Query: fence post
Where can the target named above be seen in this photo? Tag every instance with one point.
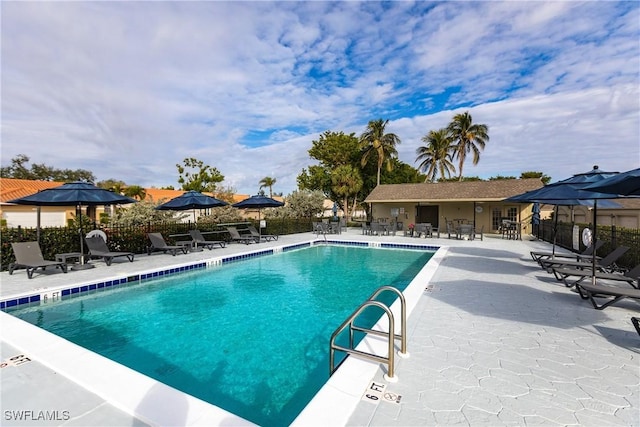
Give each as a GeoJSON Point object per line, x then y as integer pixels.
{"type": "Point", "coordinates": [614, 237]}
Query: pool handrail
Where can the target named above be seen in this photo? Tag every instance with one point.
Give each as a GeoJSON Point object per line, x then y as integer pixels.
{"type": "Point", "coordinates": [390, 334]}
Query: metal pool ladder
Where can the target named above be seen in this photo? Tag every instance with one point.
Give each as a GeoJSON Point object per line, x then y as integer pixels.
{"type": "Point", "coordinates": [390, 334]}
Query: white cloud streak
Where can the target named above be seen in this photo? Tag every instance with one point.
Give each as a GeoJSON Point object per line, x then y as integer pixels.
{"type": "Point", "coordinates": [129, 89]}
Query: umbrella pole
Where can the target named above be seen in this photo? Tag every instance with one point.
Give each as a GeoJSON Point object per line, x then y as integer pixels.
{"type": "Point", "coordinates": [555, 231]}
{"type": "Point", "coordinates": [594, 241]}
{"type": "Point", "coordinates": [83, 265]}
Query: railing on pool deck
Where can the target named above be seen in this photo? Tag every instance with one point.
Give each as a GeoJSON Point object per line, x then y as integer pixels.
{"type": "Point", "coordinates": [390, 334]}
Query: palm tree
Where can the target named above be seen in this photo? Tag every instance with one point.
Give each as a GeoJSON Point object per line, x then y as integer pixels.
{"type": "Point", "coordinates": [374, 141]}
{"type": "Point", "coordinates": [436, 155]}
{"type": "Point", "coordinates": [469, 137]}
{"type": "Point", "coordinates": [136, 192]}
{"type": "Point", "coordinates": [267, 181]}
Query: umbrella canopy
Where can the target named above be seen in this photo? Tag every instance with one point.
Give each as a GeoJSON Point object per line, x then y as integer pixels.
{"type": "Point", "coordinates": [622, 184]}
{"type": "Point", "coordinates": [74, 194]}
{"type": "Point", "coordinates": [191, 200]}
{"type": "Point", "coordinates": [258, 202]}
{"type": "Point", "coordinates": [572, 191]}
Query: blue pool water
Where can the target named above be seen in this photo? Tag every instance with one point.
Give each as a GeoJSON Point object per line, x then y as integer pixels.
{"type": "Point", "coordinates": [251, 337]}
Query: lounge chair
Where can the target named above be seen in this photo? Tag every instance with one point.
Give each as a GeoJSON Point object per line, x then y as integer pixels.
{"type": "Point", "coordinates": [590, 292]}
{"type": "Point", "coordinates": [257, 235]}
{"type": "Point", "coordinates": [632, 277]}
{"type": "Point", "coordinates": [98, 249]}
{"type": "Point", "coordinates": [607, 264]}
{"type": "Point", "coordinates": [199, 240]}
{"type": "Point", "coordinates": [636, 324]}
{"type": "Point", "coordinates": [539, 256]}
{"type": "Point", "coordinates": [29, 256]}
{"type": "Point", "coordinates": [158, 244]}
{"type": "Point", "coordinates": [237, 237]}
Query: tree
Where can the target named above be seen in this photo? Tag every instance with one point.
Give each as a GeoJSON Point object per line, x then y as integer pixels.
{"type": "Point", "coordinates": [114, 185]}
{"type": "Point", "coordinates": [346, 182]}
{"type": "Point", "coordinates": [332, 150]}
{"type": "Point", "coordinates": [469, 137]}
{"type": "Point", "coordinates": [374, 142]}
{"type": "Point", "coordinates": [142, 213]}
{"type": "Point", "coordinates": [267, 181]}
{"type": "Point", "coordinates": [436, 155]}
{"type": "Point", "coordinates": [301, 204]}
{"type": "Point", "coordinates": [544, 178]}
{"type": "Point", "coordinates": [197, 176]}
{"type": "Point", "coordinates": [41, 172]}
{"type": "Point", "coordinates": [136, 192]}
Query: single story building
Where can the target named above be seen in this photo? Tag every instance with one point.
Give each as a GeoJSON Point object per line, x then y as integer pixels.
{"type": "Point", "coordinates": [477, 202]}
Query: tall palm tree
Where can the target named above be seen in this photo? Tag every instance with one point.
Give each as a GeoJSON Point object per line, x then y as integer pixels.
{"type": "Point", "coordinates": [267, 181]}
{"type": "Point", "coordinates": [436, 155]}
{"type": "Point", "coordinates": [468, 137]}
{"type": "Point", "coordinates": [374, 141]}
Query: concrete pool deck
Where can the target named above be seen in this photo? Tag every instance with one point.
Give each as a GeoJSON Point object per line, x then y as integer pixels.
{"type": "Point", "coordinates": [493, 340]}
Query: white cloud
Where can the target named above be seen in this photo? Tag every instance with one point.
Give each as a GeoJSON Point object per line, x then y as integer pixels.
{"type": "Point", "coordinates": [129, 89]}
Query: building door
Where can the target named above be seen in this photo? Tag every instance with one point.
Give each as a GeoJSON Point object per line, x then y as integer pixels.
{"type": "Point", "coordinates": [428, 214]}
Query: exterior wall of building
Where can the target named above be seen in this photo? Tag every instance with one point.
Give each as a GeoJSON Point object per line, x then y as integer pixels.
{"type": "Point", "coordinates": [628, 218]}
{"type": "Point", "coordinates": [485, 215]}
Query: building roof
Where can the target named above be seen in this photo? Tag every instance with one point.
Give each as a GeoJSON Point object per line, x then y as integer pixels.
{"type": "Point", "coordinates": [478, 191]}
{"type": "Point", "coordinates": [11, 188]}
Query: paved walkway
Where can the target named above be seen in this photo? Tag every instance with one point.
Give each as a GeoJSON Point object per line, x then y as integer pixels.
{"type": "Point", "coordinates": [493, 341]}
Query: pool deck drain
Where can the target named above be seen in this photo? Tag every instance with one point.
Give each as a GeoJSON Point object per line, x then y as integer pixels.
{"type": "Point", "coordinates": [494, 340]}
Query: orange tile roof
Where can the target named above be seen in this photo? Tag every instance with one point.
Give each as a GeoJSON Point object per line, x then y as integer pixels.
{"type": "Point", "coordinates": [11, 188]}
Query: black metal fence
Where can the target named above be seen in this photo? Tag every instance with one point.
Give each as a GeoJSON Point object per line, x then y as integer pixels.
{"type": "Point", "coordinates": [55, 240]}
{"type": "Point", "coordinates": [612, 237]}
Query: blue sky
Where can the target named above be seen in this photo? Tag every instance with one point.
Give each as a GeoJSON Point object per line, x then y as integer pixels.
{"type": "Point", "coordinates": [129, 89]}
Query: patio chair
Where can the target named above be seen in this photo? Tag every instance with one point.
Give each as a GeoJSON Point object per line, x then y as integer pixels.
{"type": "Point", "coordinates": [237, 237]}
{"type": "Point", "coordinates": [539, 256]}
{"type": "Point", "coordinates": [606, 264]}
{"type": "Point", "coordinates": [478, 233]}
{"type": "Point", "coordinates": [451, 230]}
{"type": "Point", "coordinates": [198, 240]}
{"type": "Point", "coordinates": [98, 249]}
{"type": "Point", "coordinates": [29, 256]}
{"type": "Point", "coordinates": [632, 277]}
{"type": "Point", "coordinates": [266, 237]}
{"type": "Point", "coordinates": [591, 292]}
{"type": "Point", "coordinates": [159, 244]}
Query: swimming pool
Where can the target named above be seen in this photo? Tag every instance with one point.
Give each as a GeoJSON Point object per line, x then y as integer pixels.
{"type": "Point", "coordinates": [305, 288]}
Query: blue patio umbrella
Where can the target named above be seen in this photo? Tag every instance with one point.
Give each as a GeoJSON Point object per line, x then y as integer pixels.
{"type": "Point", "coordinates": [78, 194]}
{"type": "Point", "coordinates": [572, 191]}
{"type": "Point", "coordinates": [258, 202]}
{"type": "Point", "coordinates": [625, 184]}
{"type": "Point", "coordinates": [191, 200]}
